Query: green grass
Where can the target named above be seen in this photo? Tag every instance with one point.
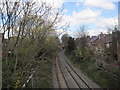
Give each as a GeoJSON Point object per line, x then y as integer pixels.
{"type": "Point", "coordinates": [99, 76]}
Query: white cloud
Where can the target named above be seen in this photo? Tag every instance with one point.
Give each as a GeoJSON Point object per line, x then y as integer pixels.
{"type": "Point", "coordinates": [87, 13]}
{"type": "Point", "coordinates": [103, 24]}
{"type": "Point", "coordinates": [83, 17]}
{"type": "Point", "coordinates": [107, 22]}
{"type": "Point", "coordinates": [89, 16]}
{"type": "Point", "coordinates": [54, 3]}
{"type": "Point", "coordinates": [94, 32]}
{"type": "Point", "coordinates": [106, 4]}
{"type": "Point", "coordinates": [77, 4]}
{"type": "Point", "coordinates": [65, 10]}
{"type": "Point", "coordinates": [84, 0]}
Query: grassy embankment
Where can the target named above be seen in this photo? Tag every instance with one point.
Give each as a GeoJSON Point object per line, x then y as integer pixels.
{"type": "Point", "coordinates": [42, 77]}
{"type": "Point", "coordinates": [44, 72]}
{"type": "Point", "coordinates": [89, 68]}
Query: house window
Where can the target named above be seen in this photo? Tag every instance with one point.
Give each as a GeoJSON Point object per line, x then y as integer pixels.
{"type": "Point", "coordinates": [107, 45]}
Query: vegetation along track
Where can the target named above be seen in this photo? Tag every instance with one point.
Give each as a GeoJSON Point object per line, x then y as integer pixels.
{"type": "Point", "coordinates": [68, 77]}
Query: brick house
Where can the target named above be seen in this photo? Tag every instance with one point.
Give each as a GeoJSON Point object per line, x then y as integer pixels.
{"type": "Point", "coordinates": [78, 41]}
{"type": "Point", "coordinates": [92, 43]}
{"type": "Point", "coordinates": [96, 43]}
{"type": "Point", "coordinates": [100, 42]}
{"type": "Point", "coordinates": [108, 40]}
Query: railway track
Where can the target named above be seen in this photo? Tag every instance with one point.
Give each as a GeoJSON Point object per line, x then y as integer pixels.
{"type": "Point", "coordinates": [67, 76]}
{"type": "Point", "coordinates": [62, 83]}
{"type": "Point", "coordinates": [83, 83]}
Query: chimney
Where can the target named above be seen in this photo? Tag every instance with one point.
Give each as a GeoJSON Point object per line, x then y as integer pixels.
{"type": "Point", "coordinates": [100, 34]}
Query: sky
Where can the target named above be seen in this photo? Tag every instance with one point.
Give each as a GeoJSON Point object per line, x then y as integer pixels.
{"type": "Point", "coordinates": [97, 15]}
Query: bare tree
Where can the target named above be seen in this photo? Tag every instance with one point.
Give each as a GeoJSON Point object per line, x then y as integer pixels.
{"type": "Point", "coordinates": [27, 26]}
{"type": "Point", "coordinates": [64, 39]}
{"type": "Point", "coordinates": [82, 36]}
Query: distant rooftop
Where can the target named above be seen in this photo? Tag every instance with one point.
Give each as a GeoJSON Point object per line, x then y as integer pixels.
{"type": "Point", "coordinates": [94, 38]}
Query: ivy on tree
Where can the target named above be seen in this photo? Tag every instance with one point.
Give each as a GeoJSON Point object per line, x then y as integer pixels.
{"type": "Point", "coordinates": [70, 45]}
